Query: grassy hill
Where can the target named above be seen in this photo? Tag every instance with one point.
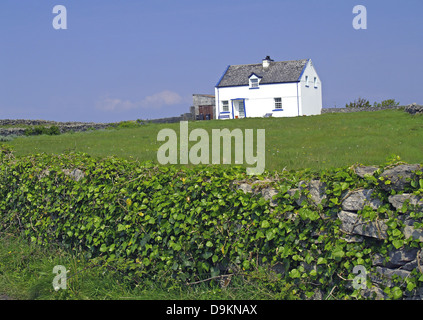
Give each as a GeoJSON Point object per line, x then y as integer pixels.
{"type": "Point", "coordinates": [317, 142]}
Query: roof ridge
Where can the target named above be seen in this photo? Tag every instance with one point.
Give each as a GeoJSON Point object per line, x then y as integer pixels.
{"type": "Point", "coordinates": [257, 64]}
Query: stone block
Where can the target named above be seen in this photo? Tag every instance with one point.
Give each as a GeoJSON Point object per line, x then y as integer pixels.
{"type": "Point", "coordinates": [352, 223]}
{"type": "Point", "coordinates": [356, 200]}
{"type": "Point", "coordinates": [399, 177]}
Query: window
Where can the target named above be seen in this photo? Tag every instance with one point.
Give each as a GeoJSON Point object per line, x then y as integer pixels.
{"type": "Point", "coordinates": [225, 106]}
{"type": "Point", "coordinates": [278, 103]}
{"type": "Point", "coordinates": [315, 82]}
{"type": "Point", "coordinates": [306, 81]}
{"type": "Point", "coordinates": [254, 83]}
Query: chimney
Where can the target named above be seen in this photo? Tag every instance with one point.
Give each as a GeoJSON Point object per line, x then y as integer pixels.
{"type": "Point", "coordinates": [266, 62]}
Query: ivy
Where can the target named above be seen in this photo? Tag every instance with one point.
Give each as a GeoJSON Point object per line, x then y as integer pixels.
{"type": "Point", "coordinates": [193, 223]}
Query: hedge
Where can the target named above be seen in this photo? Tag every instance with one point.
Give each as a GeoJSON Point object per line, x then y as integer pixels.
{"type": "Point", "coordinates": [184, 223]}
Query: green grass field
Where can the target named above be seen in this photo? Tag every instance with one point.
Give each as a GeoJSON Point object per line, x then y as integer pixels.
{"type": "Point", "coordinates": [329, 140]}
{"type": "Point", "coordinates": [26, 274]}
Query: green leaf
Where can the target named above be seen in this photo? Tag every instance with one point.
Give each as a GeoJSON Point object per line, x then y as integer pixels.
{"type": "Point", "coordinates": [207, 255]}
{"type": "Point", "coordinates": [392, 224]}
{"type": "Point", "coordinates": [246, 264]}
{"type": "Point", "coordinates": [265, 224]}
{"type": "Point", "coordinates": [338, 253]}
{"type": "Point", "coordinates": [396, 233]}
{"type": "Point", "coordinates": [152, 221]}
{"type": "Point", "coordinates": [321, 260]}
{"type": "Point", "coordinates": [346, 265]}
{"type": "Point", "coordinates": [215, 258]}
{"type": "Point", "coordinates": [261, 201]}
{"type": "Point", "coordinates": [411, 285]}
{"type": "Point", "coordinates": [270, 235]}
{"type": "Point", "coordinates": [259, 234]}
{"type": "Point", "coordinates": [209, 244]}
{"type": "Point", "coordinates": [396, 293]}
{"type": "Point", "coordinates": [308, 214]}
{"type": "Point", "coordinates": [309, 258]}
{"type": "Point", "coordinates": [398, 243]}
{"type": "Point", "coordinates": [294, 273]}
{"type": "Point", "coordinates": [335, 201]}
{"type": "Point", "coordinates": [404, 207]}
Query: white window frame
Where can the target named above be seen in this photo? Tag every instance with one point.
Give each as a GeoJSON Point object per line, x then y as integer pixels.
{"type": "Point", "coordinates": [278, 103]}
{"type": "Point", "coordinates": [306, 81]}
{"type": "Point", "coordinates": [225, 105]}
{"type": "Point", "coordinates": [254, 83]}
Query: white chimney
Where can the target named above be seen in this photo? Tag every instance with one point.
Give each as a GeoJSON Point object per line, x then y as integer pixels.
{"type": "Point", "coordinates": [266, 62]}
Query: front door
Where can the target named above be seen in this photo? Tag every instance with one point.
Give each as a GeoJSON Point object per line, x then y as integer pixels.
{"type": "Point", "coordinates": [239, 108]}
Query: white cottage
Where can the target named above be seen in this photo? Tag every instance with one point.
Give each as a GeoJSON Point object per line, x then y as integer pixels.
{"type": "Point", "coordinates": [271, 88]}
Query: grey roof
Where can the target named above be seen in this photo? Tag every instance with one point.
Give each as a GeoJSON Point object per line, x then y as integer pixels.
{"type": "Point", "coordinates": [277, 72]}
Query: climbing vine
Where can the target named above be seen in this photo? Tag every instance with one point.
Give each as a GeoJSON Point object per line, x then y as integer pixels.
{"type": "Point", "coordinates": [190, 224]}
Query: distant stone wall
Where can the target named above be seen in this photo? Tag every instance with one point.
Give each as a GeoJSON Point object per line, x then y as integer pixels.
{"type": "Point", "coordinates": [73, 126]}
{"type": "Point", "coordinates": [11, 122]}
{"type": "Point", "coordinates": [412, 109]}
{"type": "Point", "coordinates": [351, 110]}
{"type": "Point", "coordinates": [63, 126]}
{"type": "Point", "coordinates": [182, 117]}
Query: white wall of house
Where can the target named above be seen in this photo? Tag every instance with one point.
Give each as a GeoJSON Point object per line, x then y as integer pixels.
{"type": "Point", "coordinates": [310, 92]}
{"type": "Point", "coordinates": [259, 101]}
{"type": "Point", "coordinates": [298, 98]}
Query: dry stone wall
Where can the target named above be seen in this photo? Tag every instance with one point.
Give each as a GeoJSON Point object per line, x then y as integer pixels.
{"type": "Point", "coordinates": [18, 127]}
{"type": "Point", "coordinates": [398, 263]}
{"type": "Point", "coordinates": [412, 109]}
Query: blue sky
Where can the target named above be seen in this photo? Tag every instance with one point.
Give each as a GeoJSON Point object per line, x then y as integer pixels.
{"type": "Point", "coordinates": [132, 59]}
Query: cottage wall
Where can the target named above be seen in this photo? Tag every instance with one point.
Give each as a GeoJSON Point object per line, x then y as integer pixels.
{"type": "Point", "coordinates": [259, 102]}
{"type": "Point", "coordinates": [310, 95]}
